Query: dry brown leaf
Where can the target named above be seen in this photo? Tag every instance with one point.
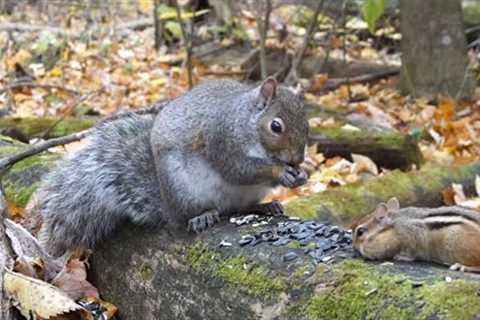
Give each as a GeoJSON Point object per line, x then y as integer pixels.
{"type": "Point", "coordinates": [15, 211]}
{"type": "Point", "coordinates": [36, 296]}
{"type": "Point", "coordinates": [108, 313]}
{"type": "Point", "coordinates": [477, 185]}
{"type": "Point", "coordinates": [448, 196]}
{"type": "Point", "coordinates": [459, 195]}
{"type": "Point", "coordinates": [364, 164]}
{"type": "Point", "coordinates": [73, 280]}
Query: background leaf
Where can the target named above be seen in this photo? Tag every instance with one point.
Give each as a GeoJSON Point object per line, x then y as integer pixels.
{"type": "Point", "coordinates": [372, 10]}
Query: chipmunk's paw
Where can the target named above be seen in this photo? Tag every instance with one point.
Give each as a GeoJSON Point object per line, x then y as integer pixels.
{"type": "Point", "coordinates": [460, 267]}
{"type": "Point", "coordinates": [204, 221]}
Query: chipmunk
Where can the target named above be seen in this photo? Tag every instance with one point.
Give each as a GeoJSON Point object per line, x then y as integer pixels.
{"type": "Point", "coordinates": [445, 235]}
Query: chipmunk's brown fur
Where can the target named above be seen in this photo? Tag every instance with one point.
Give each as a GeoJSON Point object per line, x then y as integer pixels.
{"type": "Point", "coordinates": [447, 235]}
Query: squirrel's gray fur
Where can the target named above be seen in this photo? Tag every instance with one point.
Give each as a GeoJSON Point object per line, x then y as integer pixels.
{"type": "Point", "coordinates": [207, 152]}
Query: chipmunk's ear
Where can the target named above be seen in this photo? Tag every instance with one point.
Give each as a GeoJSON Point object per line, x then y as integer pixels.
{"type": "Point", "coordinates": [393, 204]}
{"type": "Point", "coordinates": [381, 215]}
{"type": "Point", "coordinates": [268, 89]}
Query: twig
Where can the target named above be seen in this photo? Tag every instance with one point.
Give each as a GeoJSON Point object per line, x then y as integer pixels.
{"type": "Point", "coordinates": [6, 162]}
{"type": "Point", "coordinates": [262, 26]}
{"type": "Point", "coordinates": [67, 112]}
{"type": "Point", "coordinates": [37, 85]}
{"type": "Point", "coordinates": [344, 47]}
{"type": "Point", "coordinates": [20, 27]}
{"type": "Point", "coordinates": [332, 84]}
{"type": "Point", "coordinates": [153, 109]}
{"type": "Point", "coordinates": [158, 25]}
{"type": "Point", "coordinates": [188, 45]}
{"type": "Point", "coordinates": [292, 76]}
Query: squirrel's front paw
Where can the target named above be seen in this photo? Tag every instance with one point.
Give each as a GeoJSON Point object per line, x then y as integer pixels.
{"type": "Point", "coordinates": [204, 221]}
{"type": "Point", "coordinates": [293, 177]}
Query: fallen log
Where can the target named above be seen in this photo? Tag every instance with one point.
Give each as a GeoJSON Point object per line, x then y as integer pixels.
{"type": "Point", "coordinates": [388, 149]}
{"type": "Point", "coordinates": [415, 188]}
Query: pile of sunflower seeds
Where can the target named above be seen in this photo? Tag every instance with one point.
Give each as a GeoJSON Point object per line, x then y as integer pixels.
{"type": "Point", "coordinates": [320, 241]}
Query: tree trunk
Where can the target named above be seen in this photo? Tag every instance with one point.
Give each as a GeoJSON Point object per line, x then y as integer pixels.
{"type": "Point", "coordinates": [434, 52]}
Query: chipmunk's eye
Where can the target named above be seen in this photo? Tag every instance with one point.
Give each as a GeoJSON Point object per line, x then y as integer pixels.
{"type": "Point", "coordinates": [277, 126]}
{"type": "Point", "coordinates": [361, 231]}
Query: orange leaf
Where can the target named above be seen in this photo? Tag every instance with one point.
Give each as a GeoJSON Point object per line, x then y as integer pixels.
{"type": "Point", "coordinates": [446, 109]}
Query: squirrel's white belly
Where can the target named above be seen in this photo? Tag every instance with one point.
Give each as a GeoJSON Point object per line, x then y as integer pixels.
{"type": "Point", "coordinates": [211, 190]}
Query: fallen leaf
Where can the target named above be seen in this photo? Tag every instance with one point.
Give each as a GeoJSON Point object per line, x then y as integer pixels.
{"type": "Point", "coordinates": [459, 195]}
{"type": "Point", "coordinates": [73, 280]}
{"type": "Point", "coordinates": [37, 297]}
{"type": "Point", "coordinates": [364, 164]}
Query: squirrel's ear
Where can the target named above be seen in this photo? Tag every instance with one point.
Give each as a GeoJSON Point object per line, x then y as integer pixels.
{"type": "Point", "coordinates": [268, 88]}
{"type": "Point", "coordinates": [299, 91]}
{"type": "Point", "coordinates": [393, 204]}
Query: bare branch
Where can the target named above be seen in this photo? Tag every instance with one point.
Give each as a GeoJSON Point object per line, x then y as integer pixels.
{"type": "Point", "coordinates": [37, 85]}
{"type": "Point", "coordinates": [68, 111]}
{"type": "Point", "coordinates": [263, 24]}
{"type": "Point", "coordinates": [292, 76]}
{"type": "Point", "coordinates": [332, 84]}
{"type": "Point", "coordinates": [158, 26]}
{"type": "Point", "coordinates": [7, 162]}
{"type": "Point", "coordinates": [187, 40]}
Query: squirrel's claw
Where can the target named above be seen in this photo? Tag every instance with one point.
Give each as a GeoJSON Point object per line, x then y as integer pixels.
{"type": "Point", "coordinates": [204, 221]}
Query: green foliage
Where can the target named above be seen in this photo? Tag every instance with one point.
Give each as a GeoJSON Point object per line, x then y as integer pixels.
{"type": "Point", "coordinates": [372, 10]}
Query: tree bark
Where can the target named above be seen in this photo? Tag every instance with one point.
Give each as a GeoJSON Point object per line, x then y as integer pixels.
{"type": "Point", "coordinates": [434, 49]}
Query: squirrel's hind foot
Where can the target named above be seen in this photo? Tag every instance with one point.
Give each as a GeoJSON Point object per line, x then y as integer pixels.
{"type": "Point", "coordinates": [204, 221]}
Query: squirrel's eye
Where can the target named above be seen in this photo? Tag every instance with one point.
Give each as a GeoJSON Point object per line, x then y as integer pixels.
{"type": "Point", "coordinates": [276, 125]}
{"type": "Point", "coordinates": [361, 231]}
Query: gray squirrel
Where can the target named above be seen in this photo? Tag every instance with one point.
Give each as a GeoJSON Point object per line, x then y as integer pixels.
{"type": "Point", "coordinates": [213, 151]}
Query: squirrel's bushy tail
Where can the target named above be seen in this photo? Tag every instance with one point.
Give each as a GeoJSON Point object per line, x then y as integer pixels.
{"type": "Point", "coordinates": [91, 192]}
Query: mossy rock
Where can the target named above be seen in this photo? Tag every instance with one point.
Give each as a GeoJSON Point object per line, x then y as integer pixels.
{"type": "Point", "coordinates": [415, 188]}
{"type": "Point", "coordinates": [24, 177]}
{"type": "Point", "coordinates": [165, 275]}
{"type": "Point", "coordinates": [53, 126]}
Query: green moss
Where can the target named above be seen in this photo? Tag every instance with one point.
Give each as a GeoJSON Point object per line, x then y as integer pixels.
{"type": "Point", "coordinates": [393, 139]}
{"type": "Point", "coordinates": [471, 11]}
{"type": "Point", "coordinates": [456, 300]}
{"type": "Point", "coordinates": [345, 204]}
{"type": "Point", "coordinates": [44, 159]}
{"type": "Point", "coordinates": [235, 271]}
{"type": "Point", "coordinates": [19, 194]}
{"type": "Point", "coordinates": [361, 291]}
{"type": "Point", "coordinates": [37, 126]}
{"type": "Point", "coordinates": [18, 180]}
